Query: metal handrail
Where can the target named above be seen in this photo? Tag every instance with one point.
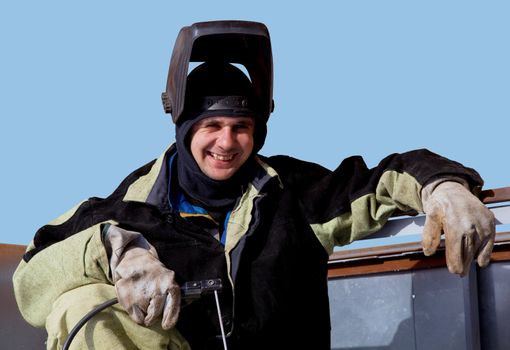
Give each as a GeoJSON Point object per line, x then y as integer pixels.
{"type": "Point", "coordinates": [383, 255]}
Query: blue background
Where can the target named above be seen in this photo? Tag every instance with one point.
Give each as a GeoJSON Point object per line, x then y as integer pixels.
{"type": "Point", "coordinates": [80, 86]}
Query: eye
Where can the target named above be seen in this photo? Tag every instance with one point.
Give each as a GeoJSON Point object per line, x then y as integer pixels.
{"type": "Point", "coordinates": [243, 126]}
{"type": "Point", "coordinates": [211, 125]}
{"type": "Point", "coordinates": [239, 127]}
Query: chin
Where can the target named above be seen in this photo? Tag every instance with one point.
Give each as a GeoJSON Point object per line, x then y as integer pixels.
{"type": "Point", "coordinates": [220, 176]}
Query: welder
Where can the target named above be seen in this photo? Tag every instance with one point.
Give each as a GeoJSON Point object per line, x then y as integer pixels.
{"type": "Point", "coordinates": [212, 207]}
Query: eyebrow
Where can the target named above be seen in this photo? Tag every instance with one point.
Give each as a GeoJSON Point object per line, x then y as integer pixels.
{"type": "Point", "coordinates": [213, 120]}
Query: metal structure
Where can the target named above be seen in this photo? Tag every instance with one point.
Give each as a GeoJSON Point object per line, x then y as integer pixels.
{"type": "Point", "coordinates": [393, 297]}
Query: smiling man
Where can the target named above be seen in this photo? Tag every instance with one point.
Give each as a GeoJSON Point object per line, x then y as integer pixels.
{"type": "Point", "coordinates": [211, 207]}
{"type": "Point", "coordinates": [218, 134]}
{"type": "Point", "coordinates": [221, 145]}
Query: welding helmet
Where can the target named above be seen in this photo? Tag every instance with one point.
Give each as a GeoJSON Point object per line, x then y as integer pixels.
{"type": "Point", "coordinates": [221, 44]}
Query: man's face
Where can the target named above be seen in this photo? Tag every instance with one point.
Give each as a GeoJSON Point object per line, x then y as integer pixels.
{"type": "Point", "coordinates": [221, 145]}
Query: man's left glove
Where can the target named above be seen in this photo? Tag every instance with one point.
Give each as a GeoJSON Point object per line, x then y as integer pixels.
{"type": "Point", "coordinates": [145, 288]}
{"type": "Point", "coordinates": [468, 226]}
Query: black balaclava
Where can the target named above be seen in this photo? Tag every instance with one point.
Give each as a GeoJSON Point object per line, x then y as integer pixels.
{"type": "Point", "coordinates": [216, 89]}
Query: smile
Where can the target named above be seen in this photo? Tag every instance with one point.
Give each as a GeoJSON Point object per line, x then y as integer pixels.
{"type": "Point", "coordinates": [222, 157]}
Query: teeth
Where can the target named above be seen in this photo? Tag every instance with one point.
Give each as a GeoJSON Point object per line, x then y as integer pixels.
{"type": "Point", "coordinates": [222, 157]}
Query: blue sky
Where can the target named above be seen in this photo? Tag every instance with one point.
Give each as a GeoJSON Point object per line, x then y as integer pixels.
{"type": "Point", "coordinates": [81, 82]}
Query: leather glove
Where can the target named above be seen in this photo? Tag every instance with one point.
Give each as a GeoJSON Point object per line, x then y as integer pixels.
{"type": "Point", "coordinates": [468, 226]}
{"type": "Point", "coordinates": [146, 289]}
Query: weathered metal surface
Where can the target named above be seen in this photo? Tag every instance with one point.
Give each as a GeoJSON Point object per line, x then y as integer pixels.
{"type": "Point", "coordinates": [422, 309]}
{"type": "Point", "coordinates": [393, 297]}
{"type": "Point", "coordinates": [15, 332]}
{"type": "Point", "coordinates": [494, 286]}
{"type": "Point", "coordinates": [372, 312]}
{"type": "Point", "coordinates": [414, 225]}
{"type": "Point", "coordinates": [496, 195]}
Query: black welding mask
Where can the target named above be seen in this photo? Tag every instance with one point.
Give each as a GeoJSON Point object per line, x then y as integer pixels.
{"type": "Point", "coordinates": [219, 43]}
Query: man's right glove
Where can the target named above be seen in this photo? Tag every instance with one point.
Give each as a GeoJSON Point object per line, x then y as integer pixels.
{"type": "Point", "coordinates": [145, 288]}
{"type": "Point", "coordinates": [468, 226]}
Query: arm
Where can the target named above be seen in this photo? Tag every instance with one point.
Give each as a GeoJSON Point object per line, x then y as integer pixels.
{"type": "Point", "coordinates": [76, 261]}
{"type": "Point", "coordinates": [145, 288]}
{"type": "Point", "coordinates": [354, 201]}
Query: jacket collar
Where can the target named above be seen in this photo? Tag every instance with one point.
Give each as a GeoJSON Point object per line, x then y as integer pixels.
{"type": "Point", "coordinates": [152, 188]}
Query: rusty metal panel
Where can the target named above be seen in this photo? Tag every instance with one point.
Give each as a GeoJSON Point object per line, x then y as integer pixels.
{"type": "Point", "coordinates": [15, 332]}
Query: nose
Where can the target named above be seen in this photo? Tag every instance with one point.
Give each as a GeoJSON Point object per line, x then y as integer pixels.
{"type": "Point", "coordinates": [226, 138]}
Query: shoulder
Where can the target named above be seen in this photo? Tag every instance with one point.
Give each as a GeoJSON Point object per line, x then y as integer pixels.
{"type": "Point", "coordinates": [121, 190]}
{"type": "Point", "coordinates": [150, 171]}
{"type": "Point", "coordinates": [295, 171]}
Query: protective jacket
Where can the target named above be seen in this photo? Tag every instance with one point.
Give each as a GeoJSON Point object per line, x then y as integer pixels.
{"type": "Point", "coordinates": [274, 260]}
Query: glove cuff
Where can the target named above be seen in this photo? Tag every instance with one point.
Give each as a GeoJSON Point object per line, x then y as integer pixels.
{"type": "Point", "coordinates": [431, 188]}
{"type": "Point", "coordinates": [118, 242]}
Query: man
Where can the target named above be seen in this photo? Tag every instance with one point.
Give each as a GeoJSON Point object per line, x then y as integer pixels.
{"type": "Point", "coordinates": [212, 208]}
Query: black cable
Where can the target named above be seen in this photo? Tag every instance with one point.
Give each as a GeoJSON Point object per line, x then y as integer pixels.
{"type": "Point", "coordinates": [189, 291]}
{"type": "Point", "coordinates": [84, 320]}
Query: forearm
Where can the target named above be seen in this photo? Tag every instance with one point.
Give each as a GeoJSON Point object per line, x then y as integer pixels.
{"type": "Point", "coordinates": [368, 213]}
{"type": "Point", "coordinates": [76, 261]}
{"type": "Point", "coordinates": [354, 201]}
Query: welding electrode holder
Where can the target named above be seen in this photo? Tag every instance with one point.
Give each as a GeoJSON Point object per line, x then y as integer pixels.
{"type": "Point", "coordinates": [189, 291]}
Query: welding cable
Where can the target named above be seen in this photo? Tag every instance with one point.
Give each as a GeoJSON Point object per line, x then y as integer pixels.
{"type": "Point", "coordinates": [84, 320]}
{"type": "Point", "coordinates": [189, 291]}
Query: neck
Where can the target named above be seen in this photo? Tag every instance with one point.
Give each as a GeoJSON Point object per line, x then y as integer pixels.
{"type": "Point", "coordinates": [209, 193]}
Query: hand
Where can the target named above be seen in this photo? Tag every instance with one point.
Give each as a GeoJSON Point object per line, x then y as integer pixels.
{"type": "Point", "coordinates": [146, 289]}
{"type": "Point", "coordinates": [469, 227]}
